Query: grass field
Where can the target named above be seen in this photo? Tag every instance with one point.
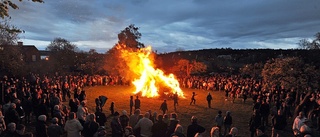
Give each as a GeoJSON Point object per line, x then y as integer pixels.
{"type": "Point", "coordinates": [120, 95]}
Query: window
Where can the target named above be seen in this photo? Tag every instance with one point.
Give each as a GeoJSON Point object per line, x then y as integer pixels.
{"type": "Point", "coordinates": [34, 58]}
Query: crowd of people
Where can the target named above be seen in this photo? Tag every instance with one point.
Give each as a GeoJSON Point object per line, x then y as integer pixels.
{"type": "Point", "coordinates": [280, 103]}
{"type": "Point", "coordinates": [41, 101]}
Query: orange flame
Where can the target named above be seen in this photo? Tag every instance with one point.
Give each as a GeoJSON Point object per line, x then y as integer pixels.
{"type": "Point", "coordinates": [151, 79]}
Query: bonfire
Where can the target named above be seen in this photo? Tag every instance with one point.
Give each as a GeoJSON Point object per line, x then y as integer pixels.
{"type": "Point", "coordinates": [150, 82]}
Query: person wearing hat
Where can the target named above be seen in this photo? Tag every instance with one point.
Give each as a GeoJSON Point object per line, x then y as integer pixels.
{"type": "Point", "coordinates": [194, 128]}
{"type": "Point", "coordinates": [54, 130]}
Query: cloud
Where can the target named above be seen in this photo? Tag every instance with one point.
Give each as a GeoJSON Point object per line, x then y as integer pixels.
{"type": "Point", "coordinates": [171, 24]}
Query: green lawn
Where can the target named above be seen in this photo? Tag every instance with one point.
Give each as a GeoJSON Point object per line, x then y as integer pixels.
{"type": "Point", "coordinates": [120, 95]}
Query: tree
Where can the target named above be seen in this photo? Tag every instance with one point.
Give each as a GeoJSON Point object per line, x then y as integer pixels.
{"type": "Point", "coordinates": [128, 40]}
{"type": "Point", "coordinates": [6, 4]}
{"type": "Point", "coordinates": [9, 34]}
{"type": "Point", "coordinates": [290, 72]}
{"type": "Point", "coordinates": [62, 54]}
{"type": "Point", "coordinates": [129, 37]}
{"type": "Point", "coordinates": [313, 44]}
{"type": "Point", "coordinates": [252, 70]}
{"type": "Point", "coordinates": [11, 57]}
{"type": "Point", "coordinates": [186, 68]}
{"type": "Point", "coordinates": [11, 60]}
{"type": "Point", "coordinates": [90, 62]}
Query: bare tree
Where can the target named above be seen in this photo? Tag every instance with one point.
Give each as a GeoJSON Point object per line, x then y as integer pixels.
{"type": "Point", "coordinates": [313, 44]}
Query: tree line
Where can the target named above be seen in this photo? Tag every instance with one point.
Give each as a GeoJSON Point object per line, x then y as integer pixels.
{"type": "Point", "coordinates": [282, 67]}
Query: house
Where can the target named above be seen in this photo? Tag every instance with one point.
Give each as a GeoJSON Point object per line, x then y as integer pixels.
{"type": "Point", "coordinates": [29, 53]}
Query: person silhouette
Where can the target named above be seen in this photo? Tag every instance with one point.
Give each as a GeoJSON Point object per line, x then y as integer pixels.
{"type": "Point", "coordinates": [193, 99]}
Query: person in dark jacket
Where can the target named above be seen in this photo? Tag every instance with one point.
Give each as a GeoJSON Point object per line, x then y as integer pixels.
{"type": "Point", "coordinates": [112, 108]}
{"type": "Point", "coordinates": [159, 128]}
{"type": "Point", "coordinates": [227, 122]}
{"type": "Point", "coordinates": [27, 107]}
{"type": "Point", "coordinates": [19, 109]}
{"type": "Point", "coordinates": [124, 119]}
{"type": "Point", "coordinates": [21, 131]}
{"type": "Point", "coordinates": [90, 127]}
{"type": "Point", "coordinates": [11, 131]}
{"type": "Point", "coordinates": [137, 103]}
{"type": "Point", "coordinates": [73, 104]}
{"type": "Point", "coordinates": [43, 109]}
{"type": "Point", "coordinates": [164, 107]}
{"type": "Point", "coordinates": [54, 130]}
{"type": "Point", "coordinates": [178, 132]}
{"type": "Point", "coordinates": [279, 123]}
{"type": "Point", "coordinates": [82, 96]}
{"type": "Point", "coordinates": [260, 132]}
{"type": "Point", "coordinates": [194, 128]}
{"type": "Point", "coordinates": [209, 98]}
{"type": "Point", "coordinates": [265, 111]}
{"type": "Point", "coordinates": [101, 118]}
{"type": "Point", "coordinates": [131, 104]}
{"type": "Point", "coordinates": [172, 124]}
{"type": "Point", "coordinates": [12, 115]}
{"type": "Point", "coordinates": [116, 126]}
{"type": "Point", "coordinates": [193, 98]}
{"type": "Point", "coordinates": [219, 120]}
{"type": "Point", "coordinates": [255, 122]}
{"type": "Point", "coordinates": [128, 132]}
{"type": "Point", "coordinates": [41, 127]}
{"type": "Point", "coordinates": [59, 114]}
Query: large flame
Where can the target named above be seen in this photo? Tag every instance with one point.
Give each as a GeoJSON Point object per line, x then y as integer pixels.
{"type": "Point", "coordinates": [152, 82]}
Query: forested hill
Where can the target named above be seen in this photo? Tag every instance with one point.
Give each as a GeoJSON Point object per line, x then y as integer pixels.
{"type": "Point", "coordinates": [225, 60]}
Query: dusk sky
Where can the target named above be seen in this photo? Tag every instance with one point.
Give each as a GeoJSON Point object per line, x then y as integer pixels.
{"type": "Point", "coordinates": [168, 25]}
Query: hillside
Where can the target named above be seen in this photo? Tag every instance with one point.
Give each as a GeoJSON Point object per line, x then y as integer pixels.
{"type": "Point", "coordinates": [226, 60]}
